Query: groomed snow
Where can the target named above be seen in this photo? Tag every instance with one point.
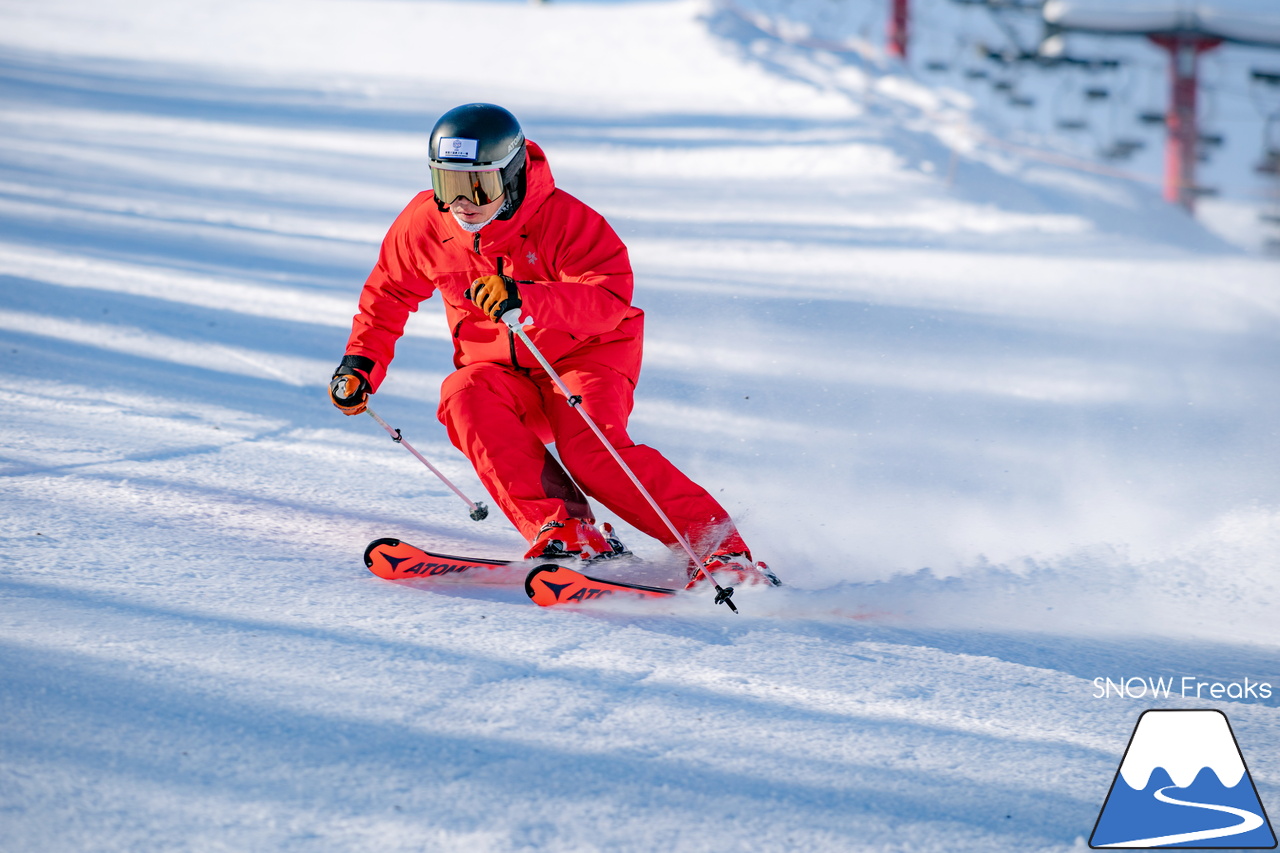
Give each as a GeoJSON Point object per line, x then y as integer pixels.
{"type": "Point", "coordinates": [1004, 426]}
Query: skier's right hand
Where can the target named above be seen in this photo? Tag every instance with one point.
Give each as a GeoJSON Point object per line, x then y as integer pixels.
{"type": "Point", "coordinates": [349, 387]}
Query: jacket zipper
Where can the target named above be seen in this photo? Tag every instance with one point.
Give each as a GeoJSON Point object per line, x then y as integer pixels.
{"type": "Point", "coordinates": [511, 336]}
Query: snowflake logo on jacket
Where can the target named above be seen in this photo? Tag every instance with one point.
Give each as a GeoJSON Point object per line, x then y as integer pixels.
{"type": "Point", "coordinates": [531, 258]}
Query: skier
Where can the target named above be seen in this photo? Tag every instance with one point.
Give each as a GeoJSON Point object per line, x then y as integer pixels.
{"type": "Point", "coordinates": [495, 233]}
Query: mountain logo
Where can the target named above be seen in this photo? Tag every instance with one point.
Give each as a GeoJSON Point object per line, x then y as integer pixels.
{"type": "Point", "coordinates": [1183, 783]}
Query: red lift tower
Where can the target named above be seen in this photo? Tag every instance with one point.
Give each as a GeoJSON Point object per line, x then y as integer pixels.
{"type": "Point", "coordinates": [899, 12]}
{"type": "Point", "coordinates": [1182, 139]}
{"type": "Point", "coordinates": [1185, 29]}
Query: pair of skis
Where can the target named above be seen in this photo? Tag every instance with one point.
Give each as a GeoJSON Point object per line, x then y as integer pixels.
{"type": "Point", "coordinates": [546, 584]}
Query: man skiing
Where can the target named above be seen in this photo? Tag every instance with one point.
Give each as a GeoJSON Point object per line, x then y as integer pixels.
{"type": "Point", "coordinates": [495, 234]}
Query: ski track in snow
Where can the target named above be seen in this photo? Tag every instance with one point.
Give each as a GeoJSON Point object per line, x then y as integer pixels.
{"type": "Point", "coordinates": [1001, 433]}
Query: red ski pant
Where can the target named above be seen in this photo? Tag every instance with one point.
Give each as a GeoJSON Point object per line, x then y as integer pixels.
{"type": "Point", "coordinates": [503, 419]}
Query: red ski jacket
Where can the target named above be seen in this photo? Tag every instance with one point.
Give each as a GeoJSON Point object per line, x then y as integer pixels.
{"type": "Point", "coordinates": [579, 290]}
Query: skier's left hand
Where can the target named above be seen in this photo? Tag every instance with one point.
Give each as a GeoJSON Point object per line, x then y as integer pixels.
{"type": "Point", "coordinates": [495, 295]}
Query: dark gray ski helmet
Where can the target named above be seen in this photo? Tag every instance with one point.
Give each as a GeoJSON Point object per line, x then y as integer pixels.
{"type": "Point", "coordinates": [477, 151]}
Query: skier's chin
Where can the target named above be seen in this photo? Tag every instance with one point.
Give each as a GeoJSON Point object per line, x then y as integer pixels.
{"type": "Point", "coordinates": [473, 218]}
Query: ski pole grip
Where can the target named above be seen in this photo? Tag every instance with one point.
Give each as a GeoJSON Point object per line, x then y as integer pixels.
{"type": "Point", "coordinates": [512, 318]}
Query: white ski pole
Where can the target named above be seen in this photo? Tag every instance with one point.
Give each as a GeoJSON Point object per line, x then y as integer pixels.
{"type": "Point", "coordinates": [724, 595]}
{"type": "Point", "coordinates": [478, 510]}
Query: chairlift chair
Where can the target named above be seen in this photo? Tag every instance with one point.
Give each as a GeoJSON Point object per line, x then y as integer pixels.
{"type": "Point", "coordinates": [1064, 104]}
{"type": "Point", "coordinates": [1121, 149]}
{"type": "Point", "coordinates": [1270, 162]}
{"type": "Point", "coordinates": [1152, 114]}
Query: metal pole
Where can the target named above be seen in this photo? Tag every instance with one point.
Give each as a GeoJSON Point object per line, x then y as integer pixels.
{"type": "Point", "coordinates": [724, 595]}
{"type": "Point", "coordinates": [1182, 142]}
{"type": "Point", "coordinates": [898, 29]}
{"type": "Point", "coordinates": [478, 510]}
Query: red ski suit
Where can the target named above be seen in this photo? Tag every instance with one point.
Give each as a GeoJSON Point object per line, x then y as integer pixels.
{"type": "Point", "coordinates": [500, 408]}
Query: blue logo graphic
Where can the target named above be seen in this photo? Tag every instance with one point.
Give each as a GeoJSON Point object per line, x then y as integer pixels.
{"type": "Point", "coordinates": [1183, 783]}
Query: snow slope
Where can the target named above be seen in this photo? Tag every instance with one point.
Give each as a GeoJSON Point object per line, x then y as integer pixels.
{"type": "Point", "coordinates": [1003, 426]}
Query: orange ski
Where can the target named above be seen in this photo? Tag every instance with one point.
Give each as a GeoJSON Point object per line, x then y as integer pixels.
{"type": "Point", "coordinates": [399, 561]}
{"type": "Point", "coordinates": [549, 585]}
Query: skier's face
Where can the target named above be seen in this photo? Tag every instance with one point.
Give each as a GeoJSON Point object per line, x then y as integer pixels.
{"type": "Point", "coordinates": [472, 213]}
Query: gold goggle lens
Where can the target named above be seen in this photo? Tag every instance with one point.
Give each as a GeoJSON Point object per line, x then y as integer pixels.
{"type": "Point", "coordinates": [478, 187]}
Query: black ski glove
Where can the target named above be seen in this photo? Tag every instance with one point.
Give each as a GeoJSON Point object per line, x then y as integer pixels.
{"type": "Point", "coordinates": [349, 387]}
{"type": "Point", "coordinates": [495, 295]}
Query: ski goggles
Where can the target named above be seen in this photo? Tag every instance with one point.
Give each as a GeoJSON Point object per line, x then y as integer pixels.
{"type": "Point", "coordinates": [478, 187]}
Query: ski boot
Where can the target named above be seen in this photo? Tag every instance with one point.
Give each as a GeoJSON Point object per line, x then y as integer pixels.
{"type": "Point", "coordinates": [575, 539]}
{"type": "Point", "coordinates": [733, 569]}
